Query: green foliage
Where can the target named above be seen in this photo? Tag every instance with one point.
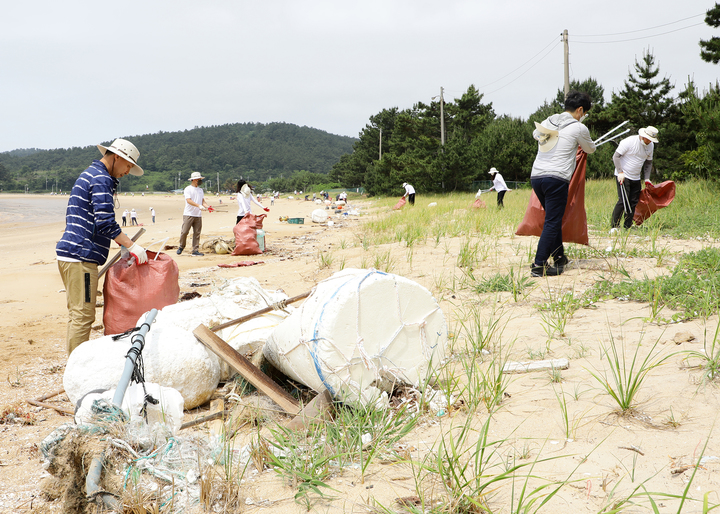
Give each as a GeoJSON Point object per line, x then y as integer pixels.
{"type": "Point", "coordinates": [710, 49]}
{"type": "Point", "coordinates": [254, 151]}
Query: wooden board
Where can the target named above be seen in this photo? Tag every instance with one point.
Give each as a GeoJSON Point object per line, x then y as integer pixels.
{"type": "Point", "coordinates": [239, 363]}
{"type": "Point", "coordinates": [314, 412]}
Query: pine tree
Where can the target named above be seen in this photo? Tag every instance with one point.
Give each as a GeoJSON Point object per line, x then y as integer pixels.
{"type": "Point", "coordinates": [710, 49]}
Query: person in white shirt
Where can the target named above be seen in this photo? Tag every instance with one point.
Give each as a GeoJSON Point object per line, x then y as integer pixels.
{"type": "Point", "coordinates": [409, 192]}
{"type": "Point", "coordinates": [558, 138]}
{"type": "Point", "coordinates": [152, 213]}
{"type": "Point", "coordinates": [133, 217]}
{"type": "Point", "coordinates": [633, 156]}
{"type": "Point", "coordinates": [244, 196]}
{"type": "Point", "coordinates": [499, 186]}
{"type": "Point", "coordinates": [125, 216]}
{"type": "Point", "coordinates": [192, 215]}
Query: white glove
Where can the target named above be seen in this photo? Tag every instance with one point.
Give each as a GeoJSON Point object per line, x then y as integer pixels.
{"type": "Point", "coordinates": [621, 177]}
{"type": "Point", "coordinates": [139, 253]}
{"type": "Point", "coordinates": [648, 183]}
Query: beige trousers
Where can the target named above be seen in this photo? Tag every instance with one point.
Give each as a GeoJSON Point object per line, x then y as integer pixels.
{"type": "Point", "coordinates": [194, 222]}
{"type": "Point", "coordinates": [81, 282]}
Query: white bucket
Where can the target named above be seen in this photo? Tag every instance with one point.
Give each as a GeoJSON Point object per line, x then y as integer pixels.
{"type": "Point", "coordinates": [360, 333]}
{"type": "Point", "coordinates": [319, 216]}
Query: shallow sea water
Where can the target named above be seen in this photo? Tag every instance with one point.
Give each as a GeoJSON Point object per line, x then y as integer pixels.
{"type": "Point", "coordinates": [33, 210]}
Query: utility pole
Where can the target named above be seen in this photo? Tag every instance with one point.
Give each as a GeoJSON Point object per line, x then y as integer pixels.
{"type": "Point", "coordinates": [218, 183]}
{"type": "Point", "coordinates": [380, 145]}
{"type": "Point", "coordinates": [442, 118]}
{"type": "Point", "coordinates": [567, 62]}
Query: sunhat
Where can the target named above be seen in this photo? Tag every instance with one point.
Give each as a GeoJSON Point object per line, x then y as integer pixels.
{"type": "Point", "coordinates": [404, 184]}
{"type": "Point", "coordinates": [493, 171]}
{"type": "Point", "coordinates": [650, 133]}
{"type": "Point", "coordinates": [548, 139]}
{"type": "Point", "coordinates": [127, 151]}
{"type": "Point", "coordinates": [196, 176]}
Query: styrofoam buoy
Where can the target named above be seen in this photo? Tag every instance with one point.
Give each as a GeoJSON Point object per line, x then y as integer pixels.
{"type": "Point", "coordinates": [360, 333]}
{"type": "Point", "coordinates": [319, 216]}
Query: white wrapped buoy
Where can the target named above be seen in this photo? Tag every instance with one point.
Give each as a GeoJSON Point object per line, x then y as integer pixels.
{"type": "Point", "coordinates": [360, 333]}
{"type": "Point", "coordinates": [319, 216]}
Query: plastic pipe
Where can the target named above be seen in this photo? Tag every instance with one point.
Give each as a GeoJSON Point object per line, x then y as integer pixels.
{"type": "Point", "coordinates": [138, 342]}
{"type": "Point", "coordinates": [92, 487]}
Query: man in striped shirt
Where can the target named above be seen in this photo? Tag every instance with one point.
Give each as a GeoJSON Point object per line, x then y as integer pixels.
{"type": "Point", "coordinates": [89, 227]}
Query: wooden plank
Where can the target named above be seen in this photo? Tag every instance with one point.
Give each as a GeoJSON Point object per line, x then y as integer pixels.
{"type": "Point", "coordinates": [257, 313]}
{"type": "Point", "coordinates": [314, 412]}
{"type": "Point", "coordinates": [239, 363]}
{"type": "Point", "coordinates": [525, 367]}
{"type": "Point", "coordinates": [217, 426]}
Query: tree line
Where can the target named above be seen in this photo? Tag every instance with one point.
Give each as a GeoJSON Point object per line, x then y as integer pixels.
{"type": "Point", "coordinates": [282, 153]}
{"type": "Point", "coordinates": [406, 145]}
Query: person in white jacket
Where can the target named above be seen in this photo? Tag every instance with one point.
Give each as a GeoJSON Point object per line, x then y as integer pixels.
{"type": "Point", "coordinates": [244, 198]}
{"type": "Point", "coordinates": [409, 192]}
{"type": "Point", "coordinates": [499, 186]}
{"type": "Point", "coordinates": [558, 138]}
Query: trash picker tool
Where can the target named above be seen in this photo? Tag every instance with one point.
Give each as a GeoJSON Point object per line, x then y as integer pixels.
{"type": "Point", "coordinates": [606, 134]}
{"type": "Point", "coordinates": [608, 140]}
{"type": "Point", "coordinates": [117, 255]}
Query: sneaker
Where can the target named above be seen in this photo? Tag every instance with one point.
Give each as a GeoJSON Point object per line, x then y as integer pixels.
{"type": "Point", "coordinates": [180, 249]}
{"type": "Point", "coordinates": [544, 271]}
{"type": "Point", "coordinates": [562, 262]}
{"type": "Point", "coordinates": [197, 254]}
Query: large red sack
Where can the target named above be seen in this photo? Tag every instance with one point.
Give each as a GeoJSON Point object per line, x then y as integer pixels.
{"type": "Point", "coordinates": [478, 204]}
{"type": "Point", "coordinates": [130, 290]}
{"type": "Point", "coordinates": [574, 223]}
{"type": "Point", "coordinates": [401, 203]}
{"type": "Point", "coordinates": [245, 231]}
{"type": "Point", "coordinates": [653, 198]}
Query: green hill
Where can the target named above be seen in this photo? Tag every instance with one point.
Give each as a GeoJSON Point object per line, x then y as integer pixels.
{"type": "Point", "coordinates": [255, 151]}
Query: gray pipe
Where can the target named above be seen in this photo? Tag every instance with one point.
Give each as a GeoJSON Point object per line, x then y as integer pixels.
{"type": "Point", "coordinates": [138, 341]}
{"type": "Point", "coordinates": [92, 480]}
{"type": "Point", "coordinates": [92, 487]}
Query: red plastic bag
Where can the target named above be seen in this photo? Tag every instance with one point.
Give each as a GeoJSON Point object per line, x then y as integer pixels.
{"type": "Point", "coordinates": [653, 198]}
{"type": "Point", "coordinates": [400, 204]}
{"type": "Point", "coordinates": [574, 223]}
{"type": "Point", "coordinates": [130, 290]}
{"type": "Point", "coordinates": [245, 231]}
{"type": "Point", "coordinates": [478, 204]}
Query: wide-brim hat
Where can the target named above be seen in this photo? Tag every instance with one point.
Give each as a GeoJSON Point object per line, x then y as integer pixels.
{"type": "Point", "coordinates": [493, 171]}
{"type": "Point", "coordinates": [127, 151]}
{"type": "Point", "coordinates": [196, 176]}
{"type": "Point", "coordinates": [548, 142]}
{"type": "Point", "coordinates": [650, 133]}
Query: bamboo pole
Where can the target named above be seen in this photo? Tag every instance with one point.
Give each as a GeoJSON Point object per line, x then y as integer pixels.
{"type": "Point", "coordinates": [260, 312]}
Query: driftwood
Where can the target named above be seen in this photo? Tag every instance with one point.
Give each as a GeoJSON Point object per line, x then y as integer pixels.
{"type": "Point", "coordinates": [40, 402]}
{"type": "Point", "coordinates": [260, 312]}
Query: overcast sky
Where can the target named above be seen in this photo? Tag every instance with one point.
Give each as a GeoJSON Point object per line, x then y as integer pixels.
{"type": "Point", "coordinates": [77, 73]}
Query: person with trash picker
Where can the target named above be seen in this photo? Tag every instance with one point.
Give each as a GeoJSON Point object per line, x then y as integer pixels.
{"type": "Point", "coordinates": [192, 216]}
{"type": "Point", "coordinates": [244, 196]}
{"type": "Point", "coordinates": [89, 227]}
{"type": "Point", "coordinates": [499, 186]}
{"type": "Point", "coordinates": [558, 138]}
{"type": "Point", "coordinates": [409, 192]}
{"type": "Point", "coordinates": [634, 155]}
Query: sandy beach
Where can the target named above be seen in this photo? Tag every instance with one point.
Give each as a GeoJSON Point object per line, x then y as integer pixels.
{"type": "Point", "coordinates": [603, 455]}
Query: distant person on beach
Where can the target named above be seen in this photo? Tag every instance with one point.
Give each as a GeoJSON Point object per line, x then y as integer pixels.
{"type": "Point", "coordinates": [152, 213]}
{"type": "Point", "coordinates": [409, 192]}
{"type": "Point", "coordinates": [133, 217]}
{"type": "Point", "coordinates": [558, 138]}
{"type": "Point", "coordinates": [192, 215]}
{"type": "Point", "coordinates": [633, 156]}
{"type": "Point", "coordinates": [125, 216]}
{"type": "Point", "coordinates": [89, 227]}
{"type": "Point", "coordinates": [244, 197]}
{"type": "Point", "coordinates": [499, 186]}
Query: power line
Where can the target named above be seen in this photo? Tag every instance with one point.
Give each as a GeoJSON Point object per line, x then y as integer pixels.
{"type": "Point", "coordinates": [516, 69]}
{"type": "Point", "coordinates": [635, 38]}
{"type": "Point", "coordinates": [641, 30]}
{"type": "Point", "coordinates": [523, 73]}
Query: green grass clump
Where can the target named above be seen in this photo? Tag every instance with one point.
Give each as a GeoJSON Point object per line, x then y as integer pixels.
{"type": "Point", "coordinates": [692, 288]}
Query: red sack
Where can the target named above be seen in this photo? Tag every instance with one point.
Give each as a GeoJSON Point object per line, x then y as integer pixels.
{"type": "Point", "coordinates": [400, 204]}
{"type": "Point", "coordinates": [653, 198]}
{"type": "Point", "coordinates": [574, 223]}
{"type": "Point", "coordinates": [130, 290]}
{"type": "Point", "coordinates": [245, 231]}
{"type": "Point", "coordinates": [478, 204]}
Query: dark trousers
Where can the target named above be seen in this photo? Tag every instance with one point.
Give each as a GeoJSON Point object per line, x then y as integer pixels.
{"type": "Point", "coordinates": [632, 190]}
{"type": "Point", "coordinates": [124, 221]}
{"type": "Point", "coordinates": [501, 195]}
{"type": "Point", "coordinates": [553, 195]}
{"type": "Point", "coordinates": [239, 218]}
{"type": "Point", "coordinates": [411, 198]}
